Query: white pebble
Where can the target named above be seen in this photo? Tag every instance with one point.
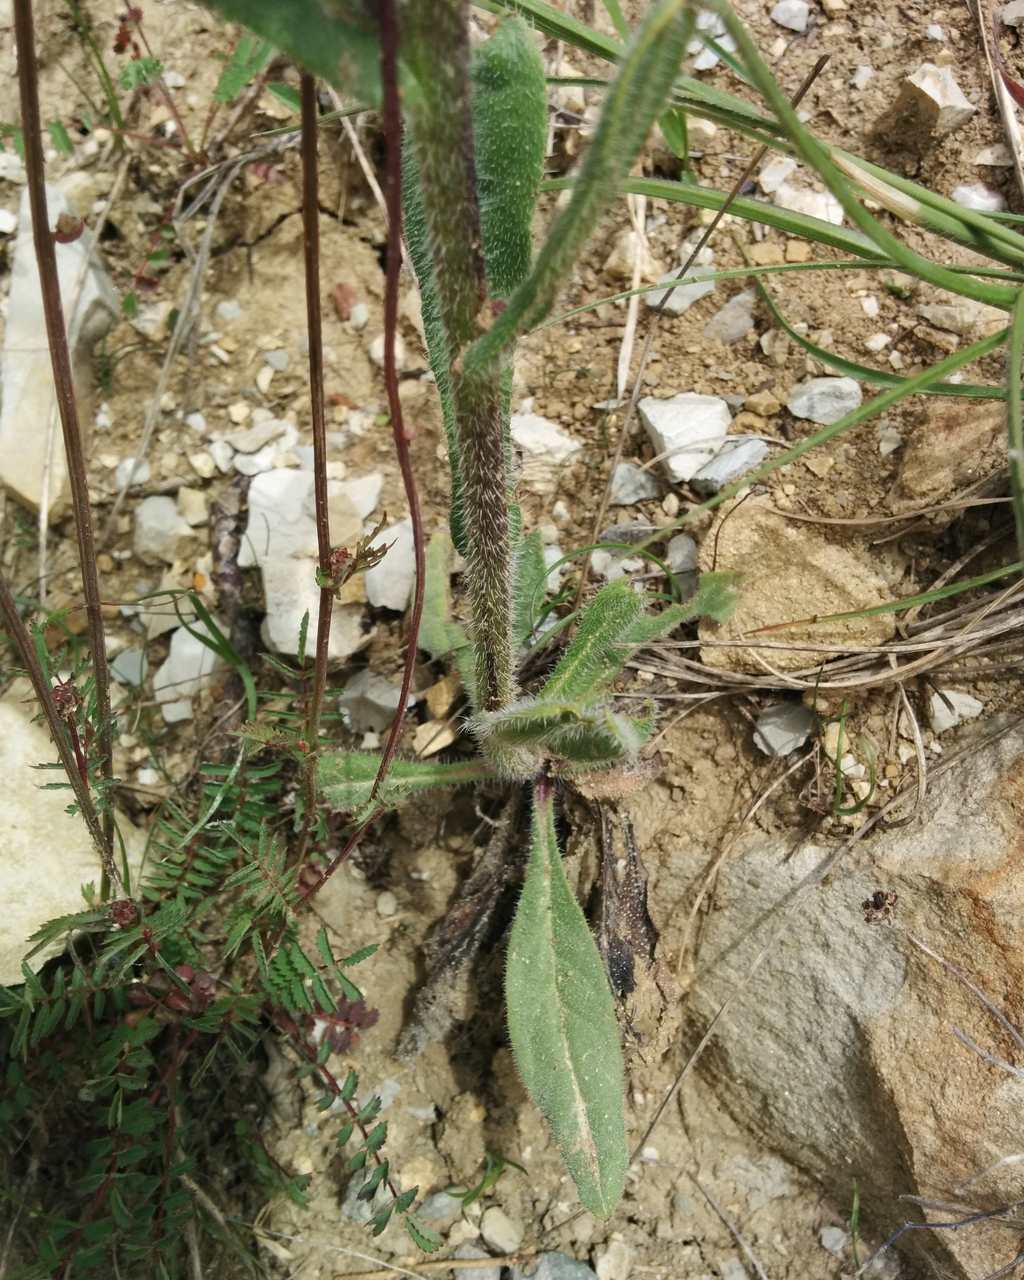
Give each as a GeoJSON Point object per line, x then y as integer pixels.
{"type": "Point", "coordinates": [792, 14]}
{"type": "Point", "coordinates": [387, 904]}
{"type": "Point", "coordinates": [975, 195]}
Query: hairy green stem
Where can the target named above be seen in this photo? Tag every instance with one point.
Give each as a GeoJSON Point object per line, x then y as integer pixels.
{"type": "Point", "coordinates": [436, 43]}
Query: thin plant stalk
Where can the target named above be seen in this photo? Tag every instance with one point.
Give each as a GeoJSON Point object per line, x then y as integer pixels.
{"type": "Point", "coordinates": [60, 359]}
{"type": "Point", "coordinates": [436, 46]}
{"type": "Point", "coordinates": [314, 323]}
{"type": "Point", "coordinates": [83, 28]}
{"type": "Point", "coordinates": [389, 37]}
{"type": "Point", "coordinates": [1014, 420]}
{"type": "Point", "coordinates": [393, 198]}
{"type": "Point", "coordinates": [193, 155]}
{"type": "Point", "coordinates": [18, 633]}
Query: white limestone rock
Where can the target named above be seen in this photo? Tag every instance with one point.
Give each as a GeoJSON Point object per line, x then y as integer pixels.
{"type": "Point", "coordinates": [46, 855]}
{"type": "Point", "coordinates": [949, 707]}
{"type": "Point", "coordinates": [161, 532]}
{"type": "Point", "coordinates": [782, 727]}
{"type": "Point", "coordinates": [290, 592]}
{"type": "Point", "coordinates": [189, 667]}
{"type": "Point", "coordinates": [389, 584]}
{"type": "Point", "coordinates": [932, 102]}
{"type": "Point", "coordinates": [546, 450]}
{"type": "Point", "coordinates": [632, 484]}
{"type": "Point", "coordinates": [792, 14]}
{"type": "Point", "coordinates": [733, 321]}
{"type": "Point", "coordinates": [28, 405]}
{"type": "Point", "coordinates": [737, 455]}
{"type": "Point", "coordinates": [824, 400]}
{"type": "Point", "coordinates": [688, 428]}
{"type": "Point", "coordinates": [978, 196]}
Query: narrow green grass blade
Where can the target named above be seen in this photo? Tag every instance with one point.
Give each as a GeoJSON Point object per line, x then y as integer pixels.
{"type": "Point", "coordinates": [969, 227]}
{"type": "Point", "coordinates": [630, 107]}
{"type": "Point", "coordinates": [562, 1024]}
{"type": "Point", "coordinates": [614, 11]}
{"type": "Point", "coordinates": [817, 156]}
{"type": "Point", "coordinates": [1014, 421]}
{"type": "Point", "coordinates": [977, 230]}
{"type": "Point", "coordinates": [924, 597]}
{"type": "Point", "coordinates": [553, 22]}
{"type": "Point", "coordinates": [845, 239]}
{"type": "Point", "coordinates": [878, 377]}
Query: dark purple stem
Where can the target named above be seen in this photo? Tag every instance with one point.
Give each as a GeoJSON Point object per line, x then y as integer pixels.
{"type": "Point", "coordinates": [60, 359]}
{"type": "Point", "coordinates": [311, 248]}
{"type": "Point", "coordinates": [393, 199]}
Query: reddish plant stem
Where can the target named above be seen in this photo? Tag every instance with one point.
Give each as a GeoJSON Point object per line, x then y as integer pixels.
{"type": "Point", "coordinates": [314, 322]}
{"type": "Point", "coordinates": [346, 851]}
{"type": "Point", "coordinates": [193, 155]}
{"type": "Point", "coordinates": [60, 359]}
{"type": "Point", "coordinates": [329, 1080]}
{"type": "Point", "coordinates": [389, 37]}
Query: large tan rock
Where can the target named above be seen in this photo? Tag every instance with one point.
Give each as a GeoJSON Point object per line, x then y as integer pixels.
{"type": "Point", "coordinates": [952, 448]}
{"type": "Point", "coordinates": [789, 572]}
{"type": "Point", "coordinates": [840, 1051]}
{"type": "Point", "coordinates": [46, 856]}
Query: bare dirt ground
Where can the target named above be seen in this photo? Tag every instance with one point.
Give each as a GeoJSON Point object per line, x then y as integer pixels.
{"type": "Point", "coordinates": [706, 1195]}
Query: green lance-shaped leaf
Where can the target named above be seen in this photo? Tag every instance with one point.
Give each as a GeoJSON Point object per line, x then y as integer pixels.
{"type": "Point", "coordinates": [337, 40]}
{"type": "Point", "coordinates": [631, 105]}
{"type": "Point", "coordinates": [531, 575]}
{"type": "Point", "coordinates": [520, 738]}
{"type": "Point", "coordinates": [510, 124]}
{"type": "Point", "coordinates": [417, 239]}
{"type": "Point", "coordinates": [439, 635]}
{"type": "Point", "coordinates": [716, 598]}
{"type": "Point", "coordinates": [347, 777]}
{"type": "Point", "coordinates": [561, 1019]}
{"type": "Point", "coordinates": [595, 657]}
